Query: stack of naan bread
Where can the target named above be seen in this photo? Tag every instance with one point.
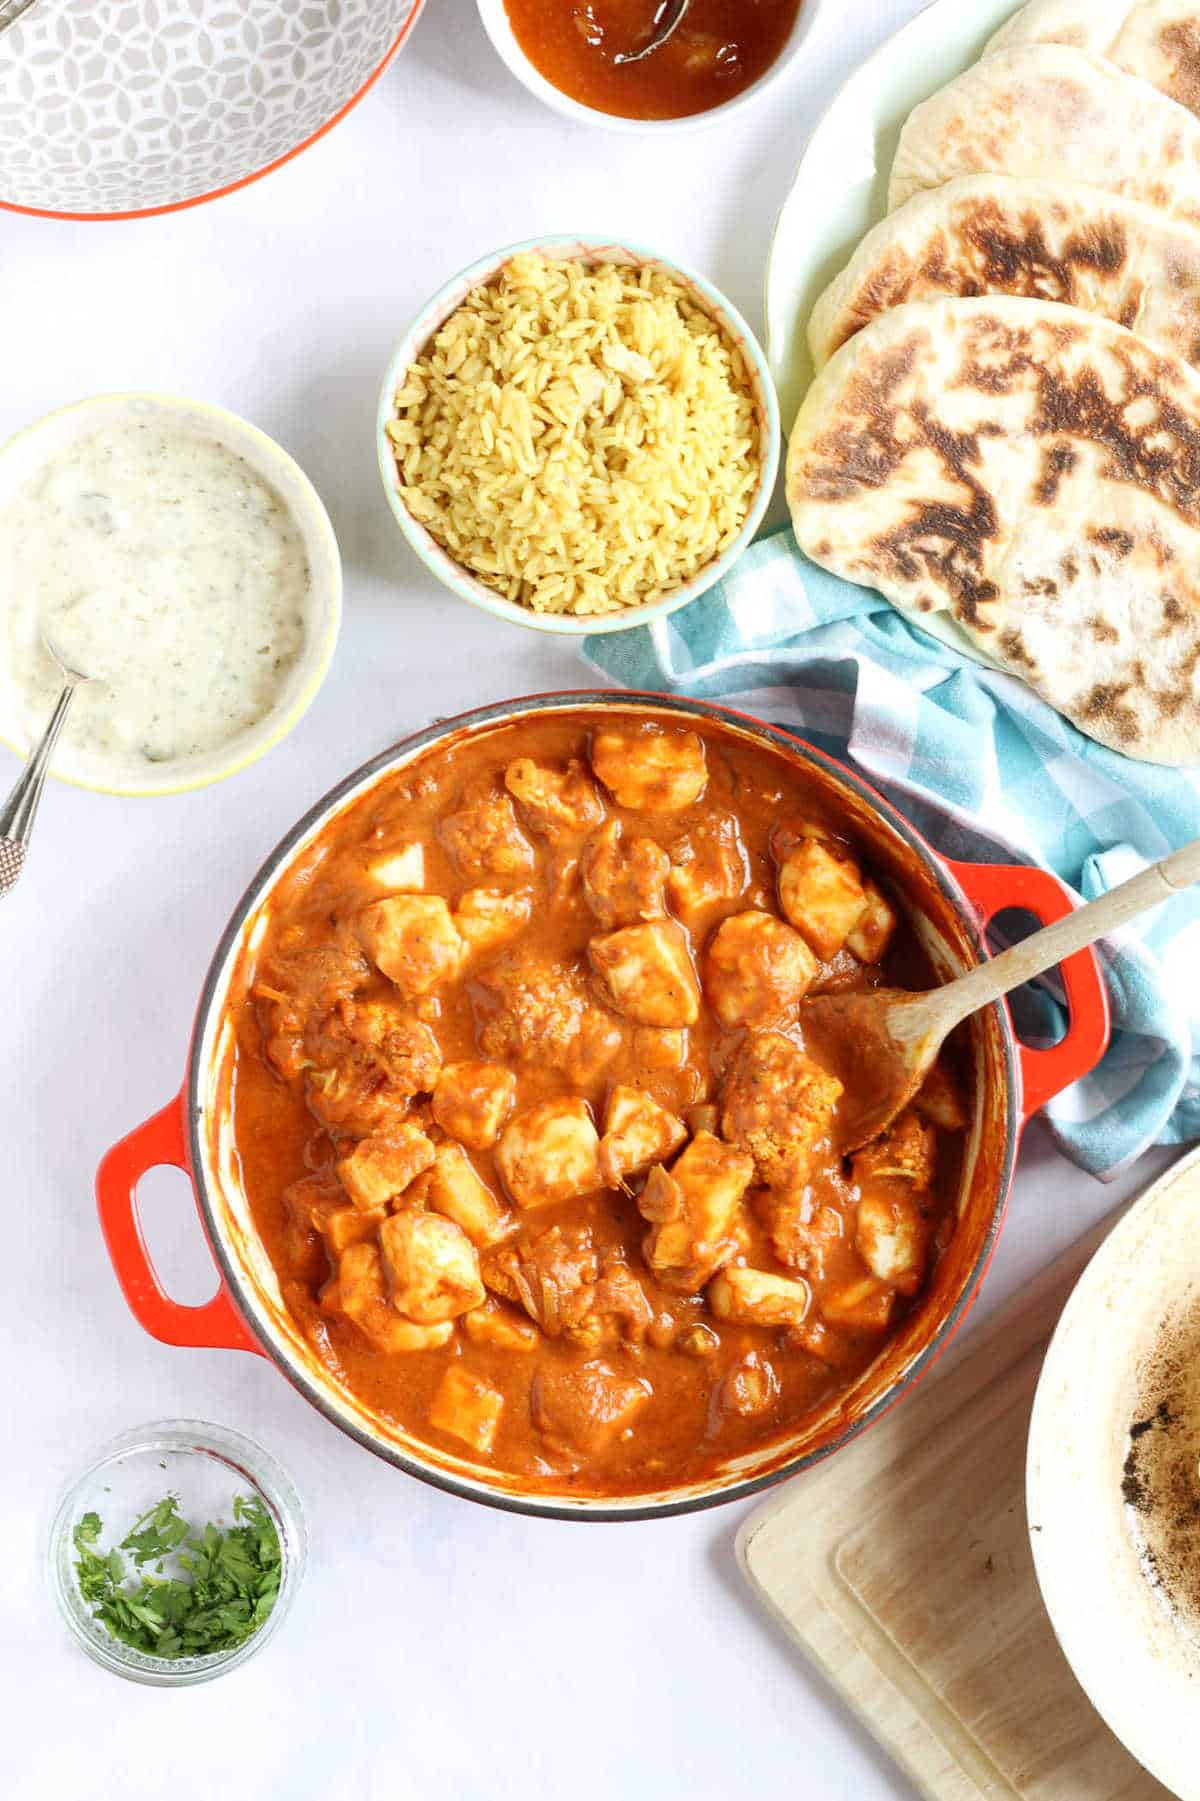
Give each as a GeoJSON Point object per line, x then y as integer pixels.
{"type": "Point", "coordinates": [1005, 425]}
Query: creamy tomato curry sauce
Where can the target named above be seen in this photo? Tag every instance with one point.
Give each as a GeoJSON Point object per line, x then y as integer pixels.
{"type": "Point", "coordinates": [525, 1116]}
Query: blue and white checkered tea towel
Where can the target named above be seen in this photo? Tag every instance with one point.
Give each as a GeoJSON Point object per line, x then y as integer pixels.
{"type": "Point", "coordinates": [987, 772]}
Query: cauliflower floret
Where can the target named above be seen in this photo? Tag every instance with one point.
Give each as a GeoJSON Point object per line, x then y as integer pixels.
{"type": "Point", "coordinates": [907, 1151]}
{"type": "Point", "coordinates": [454, 1187]}
{"type": "Point", "coordinates": [413, 940]}
{"type": "Point", "coordinates": [533, 1010]}
{"type": "Point", "coordinates": [624, 879]}
{"type": "Point", "coordinates": [558, 803]}
{"type": "Point", "coordinates": [551, 1153]}
{"type": "Point", "coordinates": [550, 1275]}
{"type": "Point", "coordinates": [498, 1327]}
{"type": "Point", "coordinates": [708, 867]}
{"type": "Point", "coordinates": [778, 1105]}
{"type": "Point", "coordinates": [483, 838]}
{"type": "Point", "coordinates": [654, 768]}
{"type": "Point", "coordinates": [755, 1297]}
{"type": "Point", "coordinates": [692, 1209]}
{"type": "Point", "coordinates": [582, 1407]}
{"type": "Point", "coordinates": [467, 1407]}
{"type": "Point", "coordinates": [637, 1133]}
{"type": "Point", "coordinates": [874, 927]}
{"type": "Point", "coordinates": [487, 917]}
{"type": "Point", "coordinates": [614, 1311]}
{"type": "Point", "coordinates": [433, 1265]}
{"type": "Point", "coordinates": [360, 1293]}
{"type": "Point", "coordinates": [367, 1057]}
{"type": "Point", "coordinates": [301, 987]}
{"type": "Point", "coordinates": [892, 1238]}
{"type": "Point", "coordinates": [472, 1101]}
{"type": "Point", "coordinates": [756, 969]}
{"type": "Point", "coordinates": [647, 974]}
{"type": "Point", "coordinates": [939, 1101]}
{"type": "Point", "coordinates": [803, 1235]}
{"type": "Point", "coordinates": [822, 895]}
{"type": "Point", "coordinates": [382, 1166]}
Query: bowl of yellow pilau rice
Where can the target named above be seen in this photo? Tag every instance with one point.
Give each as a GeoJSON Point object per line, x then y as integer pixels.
{"type": "Point", "coordinates": [578, 435]}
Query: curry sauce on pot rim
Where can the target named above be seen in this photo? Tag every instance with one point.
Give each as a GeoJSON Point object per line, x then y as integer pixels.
{"type": "Point", "coordinates": [525, 1119]}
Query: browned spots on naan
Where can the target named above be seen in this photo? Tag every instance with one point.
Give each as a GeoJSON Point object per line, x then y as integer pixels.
{"type": "Point", "coordinates": [1179, 45]}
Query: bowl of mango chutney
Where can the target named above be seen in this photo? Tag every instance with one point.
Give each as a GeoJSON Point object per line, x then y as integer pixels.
{"type": "Point", "coordinates": [722, 54]}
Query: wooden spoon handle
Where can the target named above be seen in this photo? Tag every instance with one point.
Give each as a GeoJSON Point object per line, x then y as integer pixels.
{"type": "Point", "coordinates": [1074, 933]}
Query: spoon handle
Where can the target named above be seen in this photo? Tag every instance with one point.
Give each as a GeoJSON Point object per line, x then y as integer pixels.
{"type": "Point", "coordinates": [19, 810]}
{"type": "Point", "coordinates": [1074, 933]}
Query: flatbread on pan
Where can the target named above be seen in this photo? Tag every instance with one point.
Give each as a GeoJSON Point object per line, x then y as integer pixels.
{"type": "Point", "coordinates": [1158, 39]}
{"type": "Point", "coordinates": [1034, 472]}
{"type": "Point", "coordinates": [998, 234]}
{"type": "Point", "coordinates": [1053, 114]}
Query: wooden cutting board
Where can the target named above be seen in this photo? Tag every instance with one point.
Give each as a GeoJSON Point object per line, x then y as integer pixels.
{"type": "Point", "coordinates": [902, 1569]}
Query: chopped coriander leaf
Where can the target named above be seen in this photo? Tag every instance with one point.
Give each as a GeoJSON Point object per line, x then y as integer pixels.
{"type": "Point", "coordinates": [227, 1584]}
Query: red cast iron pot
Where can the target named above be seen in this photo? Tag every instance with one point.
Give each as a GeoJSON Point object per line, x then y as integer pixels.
{"type": "Point", "coordinates": [949, 905]}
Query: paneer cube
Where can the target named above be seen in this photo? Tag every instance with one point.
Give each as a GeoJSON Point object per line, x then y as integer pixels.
{"type": "Point", "coordinates": [755, 1297]}
{"type": "Point", "coordinates": [557, 803]}
{"type": "Point", "coordinates": [400, 870]}
{"type": "Point", "coordinates": [413, 940]}
{"type": "Point", "coordinates": [692, 1209]}
{"type": "Point", "coordinates": [433, 1267]}
{"type": "Point", "coordinates": [361, 1294]}
{"type": "Point", "coordinates": [938, 1100]}
{"type": "Point", "coordinates": [862, 1306]}
{"type": "Point", "coordinates": [646, 972]}
{"type": "Point", "coordinates": [499, 1327]}
{"type": "Point", "coordinates": [551, 1153]}
{"type": "Point", "coordinates": [778, 1105]}
{"type": "Point", "coordinates": [488, 917]}
{"type": "Point", "coordinates": [892, 1237]}
{"type": "Point", "coordinates": [624, 879]}
{"type": "Point", "coordinates": [872, 932]}
{"type": "Point", "coordinates": [455, 1188]}
{"type": "Point", "coordinates": [822, 895]}
{"type": "Point", "coordinates": [381, 1167]}
{"type": "Point", "coordinates": [637, 1133]}
{"type": "Point", "coordinates": [467, 1407]}
{"type": "Point", "coordinates": [708, 868]}
{"type": "Point", "coordinates": [756, 969]}
{"type": "Point", "coordinates": [906, 1152]}
{"type": "Point", "coordinates": [482, 836]}
{"type": "Point", "coordinates": [651, 768]}
{"type": "Point", "coordinates": [582, 1407]}
{"type": "Point", "coordinates": [342, 1226]}
{"type": "Point", "coordinates": [472, 1101]}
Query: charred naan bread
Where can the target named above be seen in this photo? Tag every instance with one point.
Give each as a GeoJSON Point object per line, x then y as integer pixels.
{"type": "Point", "coordinates": [994, 234]}
{"type": "Point", "coordinates": [1158, 40]}
{"type": "Point", "coordinates": [1034, 472]}
{"type": "Point", "coordinates": [1054, 114]}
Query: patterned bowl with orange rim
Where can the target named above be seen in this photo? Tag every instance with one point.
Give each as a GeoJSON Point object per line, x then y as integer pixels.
{"type": "Point", "coordinates": [112, 112]}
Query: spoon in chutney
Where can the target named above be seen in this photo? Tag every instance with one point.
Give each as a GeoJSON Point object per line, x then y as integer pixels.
{"type": "Point", "coordinates": [881, 1044]}
{"type": "Point", "coordinates": [668, 17]}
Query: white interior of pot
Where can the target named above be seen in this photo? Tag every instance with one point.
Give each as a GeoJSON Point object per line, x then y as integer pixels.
{"type": "Point", "coordinates": [258, 1287]}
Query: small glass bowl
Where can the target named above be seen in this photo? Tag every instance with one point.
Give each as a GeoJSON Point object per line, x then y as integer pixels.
{"type": "Point", "coordinates": [206, 1466]}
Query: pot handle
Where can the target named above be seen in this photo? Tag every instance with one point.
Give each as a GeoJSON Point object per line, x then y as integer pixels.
{"type": "Point", "coordinates": [217, 1325]}
{"type": "Point", "coordinates": [993, 887]}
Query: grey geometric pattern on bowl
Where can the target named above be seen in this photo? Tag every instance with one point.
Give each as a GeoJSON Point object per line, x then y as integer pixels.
{"type": "Point", "coordinates": [114, 106]}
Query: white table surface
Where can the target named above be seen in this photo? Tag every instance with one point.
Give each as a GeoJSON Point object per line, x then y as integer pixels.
{"type": "Point", "coordinates": [436, 1647]}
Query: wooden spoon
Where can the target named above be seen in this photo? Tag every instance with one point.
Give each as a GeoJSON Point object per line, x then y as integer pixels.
{"type": "Point", "coordinates": [882, 1043]}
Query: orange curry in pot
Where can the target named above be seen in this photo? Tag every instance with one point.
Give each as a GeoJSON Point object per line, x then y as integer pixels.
{"type": "Point", "coordinates": [524, 1112]}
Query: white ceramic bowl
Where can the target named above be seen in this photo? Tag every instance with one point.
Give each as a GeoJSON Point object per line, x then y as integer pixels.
{"type": "Point", "coordinates": [496, 23]}
{"type": "Point", "coordinates": [592, 250]}
{"type": "Point", "coordinates": [30, 451]}
{"type": "Point", "coordinates": [1113, 1487]}
{"type": "Point", "coordinates": [109, 111]}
